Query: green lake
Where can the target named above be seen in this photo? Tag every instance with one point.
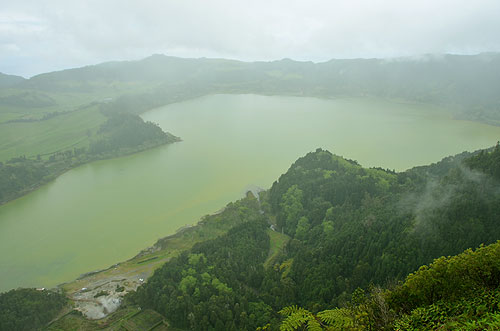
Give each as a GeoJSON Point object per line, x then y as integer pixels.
{"type": "Point", "coordinates": [105, 212]}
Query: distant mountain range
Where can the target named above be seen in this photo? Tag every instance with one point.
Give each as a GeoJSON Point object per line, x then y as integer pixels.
{"type": "Point", "coordinates": [468, 84]}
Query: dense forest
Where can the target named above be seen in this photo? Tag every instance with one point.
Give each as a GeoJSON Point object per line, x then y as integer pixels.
{"type": "Point", "coordinates": [370, 225]}
{"type": "Point", "coordinates": [352, 228]}
{"type": "Point", "coordinates": [121, 134]}
{"type": "Point", "coordinates": [29, 309]}
{"type": "Point", "coordinates": [215, 283]}
{"type": "Point", "coordinates": [358, 242]}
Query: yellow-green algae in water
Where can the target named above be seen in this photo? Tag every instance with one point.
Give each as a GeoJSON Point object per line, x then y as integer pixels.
{"type": "Point", "coordinates": [105, 212]}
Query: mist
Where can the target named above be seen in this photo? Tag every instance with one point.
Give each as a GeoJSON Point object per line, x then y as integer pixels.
{"type": "Point", "coordinates": [431, 206]}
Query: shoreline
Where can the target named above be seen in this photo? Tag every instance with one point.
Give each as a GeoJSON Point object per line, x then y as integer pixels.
{"type": "Point", "coordinates": [123, 277]}
{"type": "Point", "coordinates": [148, 250]}
{"type": "Point", "coordinates": [62, 171]}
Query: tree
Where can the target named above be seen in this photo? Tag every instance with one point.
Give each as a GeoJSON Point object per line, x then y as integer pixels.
{"type": "Point", "coordinates": [302, 228]}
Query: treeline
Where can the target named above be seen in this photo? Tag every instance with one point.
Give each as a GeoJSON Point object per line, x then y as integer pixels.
{"type": "Point", "coordinates": [352, 228]}
{"type": "Point", "coordinates": [121, 134]}
{"type": "Point", "coordinates": [28, 309]}
{"type": "Point", "coordinates": [487, 162]}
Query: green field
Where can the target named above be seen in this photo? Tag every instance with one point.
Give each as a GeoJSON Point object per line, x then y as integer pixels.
{"type": "Point", "coordinates": [19, 104]}
{"type": "Point", "coordinates": [37, 121]}
{"type": "Point", "coordinates": [62, 132]}
{"type": "Point", "coordinates": [46, 122]}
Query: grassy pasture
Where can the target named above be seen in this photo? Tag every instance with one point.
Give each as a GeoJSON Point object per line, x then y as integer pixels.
{"type": "Point", "coordinates": [59, 133]}
{"type": "Point", "coordinates": [16, 104]}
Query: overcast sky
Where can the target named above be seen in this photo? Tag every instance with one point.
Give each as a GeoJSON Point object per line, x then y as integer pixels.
{"type": "Point", "coordinates": [44, 35]}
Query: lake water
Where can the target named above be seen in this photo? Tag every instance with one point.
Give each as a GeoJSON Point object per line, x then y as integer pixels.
{"type": "Point", "coordinates": [105, 212]}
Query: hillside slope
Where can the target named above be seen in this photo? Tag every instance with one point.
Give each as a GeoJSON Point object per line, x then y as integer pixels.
{"type": "Point", "coordinates": [465, 83]}
{"type": "Point", "coordinates": [350, 227]}
{"type": "Point", "coordinates": [10, 80]}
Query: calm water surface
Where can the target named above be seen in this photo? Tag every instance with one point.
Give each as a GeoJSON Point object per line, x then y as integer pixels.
{"type": "Point", "coordinates": [101, 213]}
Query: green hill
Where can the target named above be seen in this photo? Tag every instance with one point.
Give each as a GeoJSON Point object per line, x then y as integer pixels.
{"type": "Point", "coordinates": [465, 83]}
{"type": "Point", "coordinates": [7, 81]}
{"type": "Point", "coordinates": [351, 228]}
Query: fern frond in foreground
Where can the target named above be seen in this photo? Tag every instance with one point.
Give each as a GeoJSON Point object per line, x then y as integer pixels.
{"type": "Point", "coordinates": [300, 318]}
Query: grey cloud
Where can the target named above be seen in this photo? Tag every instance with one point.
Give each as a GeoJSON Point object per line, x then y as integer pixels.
{"type": "Point", "coordinates": [46, 35]}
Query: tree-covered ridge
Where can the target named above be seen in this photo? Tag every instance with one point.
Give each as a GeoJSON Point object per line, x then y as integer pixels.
{"type": "Point", "coordinates": [369, 225]}
{"type": "Point", "coordinates": [319, 181]}
{"type": "Point", "coordinates": [121, 134]}
{"type": "Point", "coordinates": [28, 309]}
{"type": "Point", "coordinates": [351, 228]}
{"type": "Point", "coordinates": [487, 161]}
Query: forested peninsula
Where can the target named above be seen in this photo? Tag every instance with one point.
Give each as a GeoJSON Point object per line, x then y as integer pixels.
{"type": "Point", "coordinates": [334, 245]}
{"type": "Point", "coordinates": [119, 135]}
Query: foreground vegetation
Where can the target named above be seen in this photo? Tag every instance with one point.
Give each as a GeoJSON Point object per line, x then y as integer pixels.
{"type": "Point", "coordinates": [453, 293]}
